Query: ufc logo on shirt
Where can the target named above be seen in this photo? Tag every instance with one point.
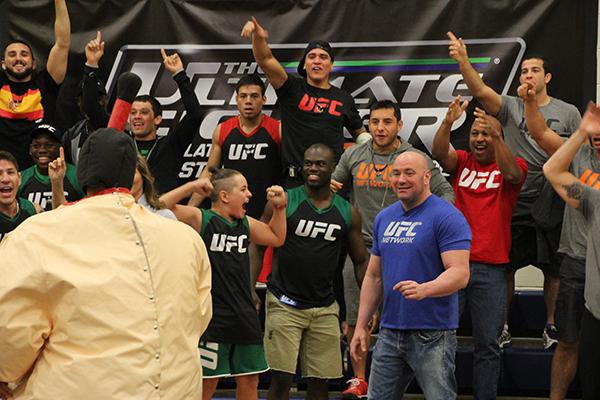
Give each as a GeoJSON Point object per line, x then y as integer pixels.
{"type": "Point", "coordinates": [42, 198]}
{"type": "Point", "coordinates": [245, 151]}
{"type": "Point", "coordinates": [320, 105]}
{"type": "Point", "coordinates": [400, 232]}
{"type": "Point", "coordinates": [474, 179]}
{"type": "Point", "coordinates": [225, 243]}
{"type": "Point", "coordinates": [307, 228]}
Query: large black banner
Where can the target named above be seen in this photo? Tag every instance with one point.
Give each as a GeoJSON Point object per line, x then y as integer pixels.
{"type": "Point", "coordinates": [383, 50]}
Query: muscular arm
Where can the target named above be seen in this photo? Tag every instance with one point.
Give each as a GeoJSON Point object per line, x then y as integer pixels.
{"type": "Point", "coordinates": [490, 100]}
{"type": "Point", "coordinates": [273, 233]}
{"type": "Point", "coordinates": [262, 53]}
{"type": "Point", "coordinates": [545, 137]}
{"type": "Point", "coordinates": [557, 171]}
{"type": "Point", "coordinates": [370, 296]}
{"type": "Point", "coordinates": [57, 59]}
{"type": "Point", "coordinates": [454, 277]}
{"type": "Point", "coordinates": [441, 150]}
{"type": "Point", "coordinates": [356, 247]}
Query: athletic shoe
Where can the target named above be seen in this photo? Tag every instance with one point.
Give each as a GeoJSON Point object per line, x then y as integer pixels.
{"type": "Point", "coordinates": [505, 339]}
{"type": "Point", "coordinates": [550, 336]}
{"type": "Point", "coordinates": [357, 389]}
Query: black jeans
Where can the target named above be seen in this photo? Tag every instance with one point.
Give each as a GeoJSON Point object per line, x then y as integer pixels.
{"type": "Point", "coordinates": [589, 356]}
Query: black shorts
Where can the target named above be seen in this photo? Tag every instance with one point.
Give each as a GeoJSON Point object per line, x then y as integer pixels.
{"type": "Point", "coordinates": [570, 302]}
{"type": "Point", "coordinates": [533, 246]}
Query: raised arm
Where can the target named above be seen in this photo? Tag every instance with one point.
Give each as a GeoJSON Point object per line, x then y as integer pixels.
{"type": "Point", "coordinates": [90, 99]}
{"type": "Point", "coordinates": [356, 247]}
{"type": "Point", "coordinates": [545, 137]}
{"type": "Point", "coordinates": [57, 170]}
{"type": "Point", "coordinates": [505, 159]}
{"type": "Point", "coordinates": [202, 186]}
{"type": "Point", "coordinates": [262, 53]}
{"type": "Point", "coordinates": [440, 149]}
{"type": "Point", "coordinates": [556, 168]}
{"type": "Point", "coordinates": [490, 100]}
{"type": "Point", "coordinates": [57, 59]}
{"type": "Point", "coordinates": [274, 233]}
{"type": "Point", "coordinates": [454, 277]}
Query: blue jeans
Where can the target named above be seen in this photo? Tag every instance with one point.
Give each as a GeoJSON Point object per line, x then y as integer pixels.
{"type": "Point", "coordinates": [401, 355]}
{"type": "Point", "coordinates": [486, 295]}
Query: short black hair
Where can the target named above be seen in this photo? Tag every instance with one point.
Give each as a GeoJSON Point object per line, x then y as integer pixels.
{"type": "Point", "coordinates": [19, 41]}
{"type": "Point", "coordinates": [5, 155]}
{"type": "Point", "coordinates": [251, 79]}
{"type": "Point", "coordinates": [321, 146]}
{"type": "Point", "coordinates": [545, 63]}
{"type": "Point", "coordinates": [221, 180]}
{"type": "Point", "coordinates": [156, 107]}
{"type": "Point", "coordinates": [386, 104]}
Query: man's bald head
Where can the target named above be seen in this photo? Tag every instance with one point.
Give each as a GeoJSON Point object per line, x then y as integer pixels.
{"type": "Point", "coordinates": [410, 178]}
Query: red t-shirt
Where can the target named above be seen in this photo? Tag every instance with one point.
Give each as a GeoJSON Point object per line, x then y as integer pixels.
{"type": "Point", "coordinates": [487, 201]}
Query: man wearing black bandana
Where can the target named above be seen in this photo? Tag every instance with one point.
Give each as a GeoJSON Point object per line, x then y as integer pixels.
{"type": "Point", "coordinates": [312, 110]}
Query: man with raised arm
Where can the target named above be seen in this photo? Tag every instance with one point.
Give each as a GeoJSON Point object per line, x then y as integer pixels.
{"type": "Point", "coordinates": [312, 110]}
{"type": "Point", "coordinates": [419, 260]}
{"type": "Point", "coordinates": [581, 195]}
{"type": "Point", "coordinates": [486, 181]}
{"type": "Point", "coordinates": [28, 96]}
{"type": "Point", "coordinates": [534, 146]}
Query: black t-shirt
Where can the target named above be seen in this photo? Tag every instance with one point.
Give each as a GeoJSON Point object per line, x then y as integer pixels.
{"type": "Point", "coordinates": [166, 157]}
{"type": "Point", "coordinates": [255, 155]}
{"type": "Point", "coordinates": [304, 267]}
{"type": "Point", "coordinates": [234, 319]}
{"type": "Point", "coordinates": [312, 115]}
{"type": "Point", "coordinates": [22, 106]}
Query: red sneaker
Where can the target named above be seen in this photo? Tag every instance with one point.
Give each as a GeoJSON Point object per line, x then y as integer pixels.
{"type": "Point", "coordinates": [357, 389]}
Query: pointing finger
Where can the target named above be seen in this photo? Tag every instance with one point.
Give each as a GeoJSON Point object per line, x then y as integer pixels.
{"type": "Point", "coordinates": [450, 35]}
{"type": "Point", "coordinates": [163, 54]}
{"type": "Point", "coordinates": [98, 36]}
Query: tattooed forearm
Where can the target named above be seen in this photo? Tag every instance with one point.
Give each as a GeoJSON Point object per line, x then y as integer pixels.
{"type": "Point", "coordinates": [574, 190]}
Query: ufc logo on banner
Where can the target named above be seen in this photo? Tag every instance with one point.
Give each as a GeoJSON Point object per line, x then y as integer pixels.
{"type": "Point", "coordinates": [318, 106]}
{"type": "Point", "coordinates": [245, 151]}
{"type": "Point", "coordinates": [222, 242]}
{"type": "Point", "coordinates": [473, 179]}
{"type": "Point", "coordinates": [307, 228]}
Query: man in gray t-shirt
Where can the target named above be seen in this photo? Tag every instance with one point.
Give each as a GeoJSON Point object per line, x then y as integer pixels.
{"type": "Point", "coordinates": [586, 199]}
{"type": "Point", "coordinates": [534, 126]}
{"type": "Point", "coordinates": [570, 300]}
{"type": "Point", "coordinates": [367, 169]}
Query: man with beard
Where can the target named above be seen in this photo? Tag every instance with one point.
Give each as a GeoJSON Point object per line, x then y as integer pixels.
{"type": "Point", "coordinates": [302, 314]}
{"type": "Point", "coordinates": [27, 96]}
{"type": "Point", "coordinates": [36, 181]}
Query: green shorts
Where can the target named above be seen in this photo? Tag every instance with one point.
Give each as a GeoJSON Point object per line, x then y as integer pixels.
{"type": "Point", "coordinates": [312, 334]}
{"type": "Point", "coordinates": [221, 360]}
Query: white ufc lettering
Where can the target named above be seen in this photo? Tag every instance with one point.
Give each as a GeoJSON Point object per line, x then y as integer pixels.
{"type": "Point", "coordinates": [307, 228]}
{"type": "Point", "coordinates": [474, 179]}
{"type": "Point", "coordinates": [223, 242]}
{"type": "Point", "coordinates": [245, 151]}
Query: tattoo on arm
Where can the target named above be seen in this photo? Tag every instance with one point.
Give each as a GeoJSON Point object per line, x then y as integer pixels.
{"type": "Point", "coordinates": [574, 190]}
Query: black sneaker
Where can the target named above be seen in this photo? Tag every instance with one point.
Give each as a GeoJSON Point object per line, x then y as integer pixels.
{"type": "Point", "coordinates": [550, 336]}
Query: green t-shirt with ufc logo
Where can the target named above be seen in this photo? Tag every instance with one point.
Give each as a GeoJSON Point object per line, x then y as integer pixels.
{"type": "Point", "coordinates": [304, 267]}
{"type": "Point", "coordinates": [234, 319]}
